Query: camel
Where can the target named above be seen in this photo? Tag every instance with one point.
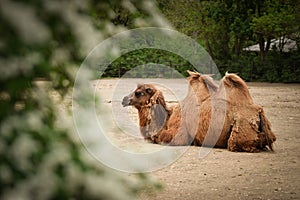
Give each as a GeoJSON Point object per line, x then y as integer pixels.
{"type": "Point", "coordinates": [160, 123]}
{"type": "Point", "coordinates": [223, 116]}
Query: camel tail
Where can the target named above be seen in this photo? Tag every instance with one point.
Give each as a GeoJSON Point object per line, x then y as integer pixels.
{"type": "Point", "coordinates": [266, 128]}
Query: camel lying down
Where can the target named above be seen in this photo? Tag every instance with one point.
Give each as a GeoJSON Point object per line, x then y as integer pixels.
{"type": "Point", "coordinates": [223, 115]}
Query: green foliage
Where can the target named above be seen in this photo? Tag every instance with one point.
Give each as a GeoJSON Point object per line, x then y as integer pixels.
{"type": "Point", "coordinates": [277, 67]}
{"type": "Point", "coordinates": [286, 68]}
{"type": "Point", "coordinates": [119, 14]}
{"type": "Point", "coordinates": [40, 155]}
{"type": "Point", "coordinates": [226, 27]}
{"type": "Point", "coordinates": [139, 58]}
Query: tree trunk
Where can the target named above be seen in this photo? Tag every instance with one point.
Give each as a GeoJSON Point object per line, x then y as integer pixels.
{"type": "Point", "coordinates": [268, 45]}
{"type": "Point", "coordinates": [237, 46]}
{"type": "Point", "coordinates": [209, 49]}
{"type": "Point", "coordinates": [262, 50]}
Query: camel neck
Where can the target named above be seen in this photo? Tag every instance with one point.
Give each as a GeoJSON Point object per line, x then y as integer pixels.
{"type": "Point", "coordinates": [144, 116]}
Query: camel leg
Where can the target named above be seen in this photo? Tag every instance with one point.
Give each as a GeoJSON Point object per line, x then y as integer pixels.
{"type": "Point", "coordinates": [182, 138]}
{"type": "Point", "coordinates": [162, 137]}
{"type": "Point", "coordinates": [172, 138]}
{"type": "Point", "coordinates": [267, 137]}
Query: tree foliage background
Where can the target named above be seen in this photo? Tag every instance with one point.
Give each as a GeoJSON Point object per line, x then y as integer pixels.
{"type": "Point", "coordinates": [225, 28]}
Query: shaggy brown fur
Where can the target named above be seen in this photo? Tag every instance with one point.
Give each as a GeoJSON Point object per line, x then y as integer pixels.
{"type": "Point", "coordinates": [151, 106]}
{"type": "Point", "coordinates": [223, 116]}
{"type": "Point", "coordinates": [245, 126]}
{"type": "Point", "coordinates": [159, 123]}
{"type": "Point", "coordinates": [201, 88]}
{"type": "Point", "coordinates": [170, 124]}
{"type": "Point", "coordinates": [250, 129]}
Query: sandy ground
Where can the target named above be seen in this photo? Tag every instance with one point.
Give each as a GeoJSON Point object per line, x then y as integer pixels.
{"type": "Point", "coordinates": [229, 175]}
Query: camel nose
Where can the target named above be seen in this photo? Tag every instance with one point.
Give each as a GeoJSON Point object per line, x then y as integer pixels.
{"type": "Point", "coordinates": [126, 101]}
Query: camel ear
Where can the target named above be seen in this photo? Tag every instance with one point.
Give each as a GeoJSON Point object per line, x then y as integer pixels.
{"type": "Point", "coordinates": [149, 90]}
{"type": "Point", "coordinates": [189, 72]}
{"type": "Point", "coordinates": [139, 85]}
{"type": "Point", "coordinates": [194, 74]}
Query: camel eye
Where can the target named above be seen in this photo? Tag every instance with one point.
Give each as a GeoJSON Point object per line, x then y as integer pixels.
{"type": "Point", "coordinates": [139, 94]}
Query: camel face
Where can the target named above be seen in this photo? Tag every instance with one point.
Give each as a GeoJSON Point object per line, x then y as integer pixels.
{"type": "Point", "coordinates": [152, 109]}
{"type": "Point", "coordinates": [140, 96]}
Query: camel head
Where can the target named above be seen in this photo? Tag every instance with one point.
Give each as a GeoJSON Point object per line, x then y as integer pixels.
{"type": "Point", "coordinates": [144, 95]}
{"type": "Point", "coordinates": [151, 106]}
{"type": "Point", "coordinates": [202, 85]}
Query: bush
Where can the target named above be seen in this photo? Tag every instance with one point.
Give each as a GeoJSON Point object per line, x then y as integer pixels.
{"type": "Point", "coordinates": [40, 155]}
{"type": "Point", "coordinates": [277, 67]}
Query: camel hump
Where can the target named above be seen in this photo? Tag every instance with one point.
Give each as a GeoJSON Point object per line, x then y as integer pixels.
{"type": "Point", "coordinates": [210, 83]}
{"type": "Point", "coordinates": [236, 88]}
{"type": "Point", "coordinates": [206, 78]}
{"type": "Point", "coordinates": [235, 81]}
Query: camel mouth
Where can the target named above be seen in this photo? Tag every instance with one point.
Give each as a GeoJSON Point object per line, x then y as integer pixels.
{"type": "Point", "coordinates": [125, 105]}
{"type": "Point", "coordinates": [126, 101]}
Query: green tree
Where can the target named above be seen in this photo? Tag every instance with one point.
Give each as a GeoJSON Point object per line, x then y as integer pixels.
{"type": "Point", "coordinates": [273, 19]}
{"type": "Point", "coordinates": [225, 27]}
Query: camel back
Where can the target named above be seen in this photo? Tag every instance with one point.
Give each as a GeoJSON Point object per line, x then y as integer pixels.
{"type": "Point", "coordinates": [210, 83]}
{"type": "Point", "coordinates": [203, 85]}
{"type": "Point", "coordinates": [236, 89]}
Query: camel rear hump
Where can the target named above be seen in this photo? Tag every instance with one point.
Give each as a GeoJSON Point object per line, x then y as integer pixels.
{"type": "Point", "coordinates": [237, 91]}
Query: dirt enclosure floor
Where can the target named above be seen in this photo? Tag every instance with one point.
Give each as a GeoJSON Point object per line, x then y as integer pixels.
{"type": "Point", "coordinates": [229, 175]}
